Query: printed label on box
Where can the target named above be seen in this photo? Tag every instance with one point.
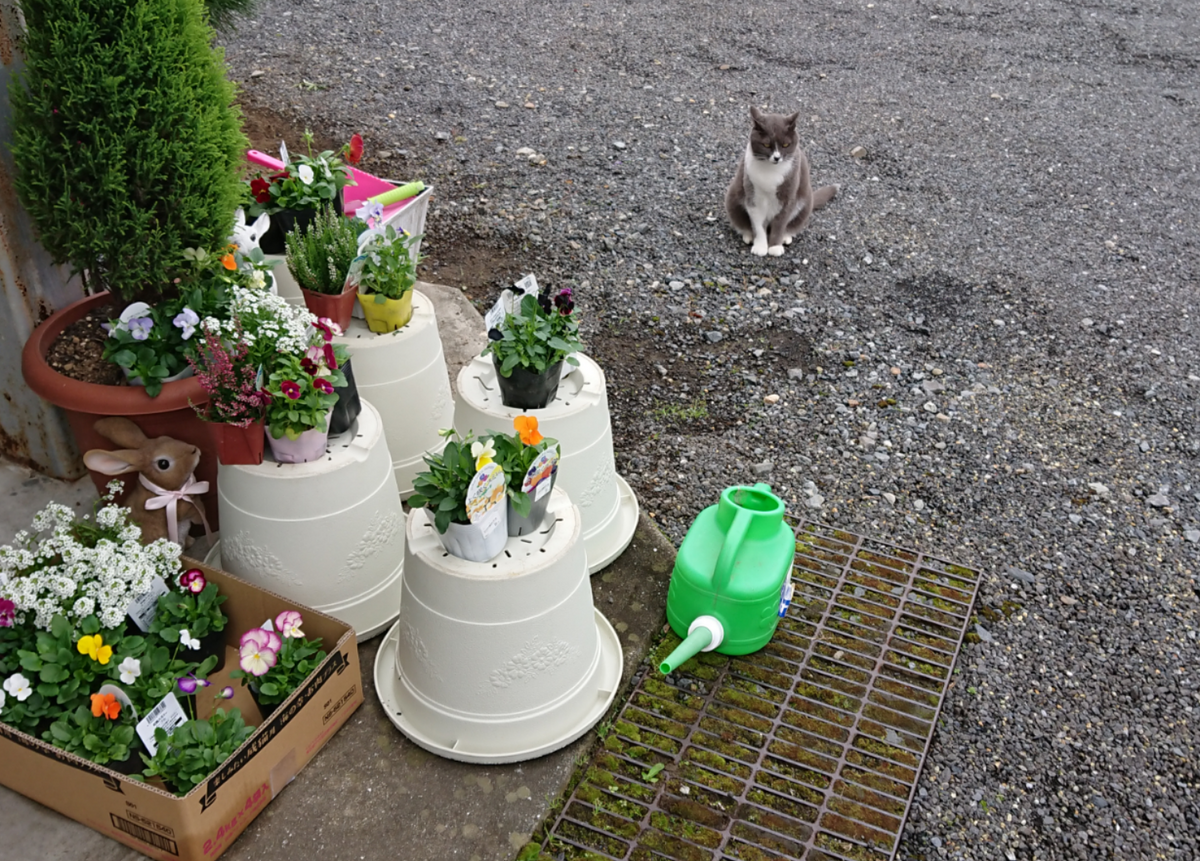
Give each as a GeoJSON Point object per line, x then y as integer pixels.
{"type": "Point", "coordinates": [143, 607]}
{"type": "Point", "coordinates": [168, 714]}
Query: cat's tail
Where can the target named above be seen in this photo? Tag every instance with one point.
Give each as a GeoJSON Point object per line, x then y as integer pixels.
{"type": "Point", "coordinates": [823, 195]}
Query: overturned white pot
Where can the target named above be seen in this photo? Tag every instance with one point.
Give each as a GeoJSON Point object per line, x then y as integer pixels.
{"type": "Point", "coordinates": [328, 533]}
{"type": "Point", "coordinates": [404, 374]}
{"type": "Point", "coordinates": [498, 661]}
{"type": "Point", "coordinates": [578, 418]}
{"type": "Point", "coordinates": [285, 283]}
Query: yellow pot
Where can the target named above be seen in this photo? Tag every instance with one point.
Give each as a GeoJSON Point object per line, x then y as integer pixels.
{"type": "Point", "coordinates": [387, 315]}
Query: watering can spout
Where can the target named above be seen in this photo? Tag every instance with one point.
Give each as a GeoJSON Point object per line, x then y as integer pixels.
{"type": "Point", "coordinates": [704, 635]}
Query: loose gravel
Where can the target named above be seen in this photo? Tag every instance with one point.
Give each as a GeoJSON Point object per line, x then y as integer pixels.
{"type": "Point", "coordinates": [985, 347]}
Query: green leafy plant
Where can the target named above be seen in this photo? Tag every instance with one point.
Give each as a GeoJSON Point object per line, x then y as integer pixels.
{"type": "Point", "coordinates": [300, 401]}
{"type": "Point", "coordinates": [542, 333]}
{"type": "Point", "coordinates": [275, 662]}
{"type": "Point", "coordinates": [199, 614]}
{"type": "Point", "coordinates": [320, 255]}
{"type": "Point", "coordinates": [443, 487]}
{"type": "Point", "coordinates": [306, 181]}
{"type": "Point", "coordinates": [193, 750]}
{"type": "Point", "coordinates": [159, 671]}
{"type": "Point", "coordinates": [515, 453]}
{"type": "Point", "coordinates": [385, 266]}
{"type": "Point", "coordinates": [93, 734]}
{"type": "Point", "coordinates": [126, 139]}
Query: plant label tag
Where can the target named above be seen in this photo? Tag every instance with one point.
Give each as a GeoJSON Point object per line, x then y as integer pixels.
{"type": "Point", "coordinates": [528, 284]}
{"type": "Point", "coordinates": [785, 597]}
{"type": "Point", "coordinates": [490, 520]}
{"type": "Point", "coordinates": [485, 493]}
{"type": "Point", "coordinates": [122, 697]}
{"type": "Point", "coordinates": [495, 316]}
{"type": "Point", "coordinates": [539, 472]}
{"type": "Point", "coordinates": [144, 606]}
{"type": "Point", "coordinates": [168, 714]}
{"type": "Point", "coordinates": [283, 153]}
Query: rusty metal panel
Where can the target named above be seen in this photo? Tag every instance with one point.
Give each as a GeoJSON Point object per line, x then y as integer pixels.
{"type": "Point", "coordinates": [808, 749]}
{"type": "Point", "coordinates": [32, 432]}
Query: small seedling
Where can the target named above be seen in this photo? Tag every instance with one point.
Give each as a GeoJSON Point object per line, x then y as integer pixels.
{"type": "Point", "coordinates": [651, 774]}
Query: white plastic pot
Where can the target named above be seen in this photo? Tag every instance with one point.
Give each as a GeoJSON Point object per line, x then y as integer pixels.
{"type": "Point", "coordinates": [404, 374]}
{"type": "Point", "coordinates": [499, 661]}
{"type": "Point", "coordinates": [328, 533]}
{"type": "Point", "coordinates": [285, 284]}
{"type": "Point", "coordinates": [467, 541]}
{"type": "Point", "coordinates": [578, 418]}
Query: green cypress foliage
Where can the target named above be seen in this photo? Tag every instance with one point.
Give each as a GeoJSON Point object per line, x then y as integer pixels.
{"type": "Point", "coordinates": [127, 142]}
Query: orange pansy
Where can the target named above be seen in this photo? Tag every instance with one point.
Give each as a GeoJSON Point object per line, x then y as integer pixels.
{"type": "Point", "coordinates": [527, 427]}
{"type": "Point", "coordinates": [106, 705]}
{"type": "Point", "coordinates": [228, 262]}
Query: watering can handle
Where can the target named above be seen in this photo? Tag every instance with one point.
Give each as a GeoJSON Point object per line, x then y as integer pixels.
{"type": "Point", "coordinates": [729, 550]}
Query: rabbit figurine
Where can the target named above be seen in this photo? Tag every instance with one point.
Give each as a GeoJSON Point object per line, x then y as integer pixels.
{"type": "Point", "coordinates": [165, 501]}
{"type": "Point", "coordinates": [246, 236]}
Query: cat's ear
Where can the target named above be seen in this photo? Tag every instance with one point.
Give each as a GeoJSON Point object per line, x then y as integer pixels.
{"type": "Point", "coordinates": [756, 115]}
{"type": "Point", "coordinates": [791, 120]}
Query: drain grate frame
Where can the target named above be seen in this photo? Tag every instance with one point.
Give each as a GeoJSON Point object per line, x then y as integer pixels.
{"type": "Point", "coordinates": [808, 749]}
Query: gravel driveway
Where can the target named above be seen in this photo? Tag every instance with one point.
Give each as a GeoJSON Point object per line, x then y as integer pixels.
{"type": "Point", "coordinates": [986, 347]}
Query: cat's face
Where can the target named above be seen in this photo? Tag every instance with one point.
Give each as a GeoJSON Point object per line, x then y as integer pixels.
{"type": "Point", "coordinates": [773, 136]}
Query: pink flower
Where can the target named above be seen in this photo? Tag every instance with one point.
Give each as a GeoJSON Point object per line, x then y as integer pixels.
{"type": "Point", "coordinates": [256, 659]}
{"type": "Point", "coordinates": [226, 693]}
{"type": "Point", "coordinates": [263, 638]}
{"type": "Point", "coordinates": [330, 358]}
{"type": "Point", "coordinates": [327, 327]}
{"type": "Point", "coordinates": [8, 611]}
{"type": "Point", "coordinates": [193, 581]}
{"type": "Point", "coordinates": [288, 622]}
{"type": "Point", "coordinates": [323, 385]}
{"type": "Point", "coordinates": [290, 388]}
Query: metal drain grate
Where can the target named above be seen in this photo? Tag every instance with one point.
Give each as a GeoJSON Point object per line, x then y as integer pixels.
{"type": "Point", "coordinates": [808, 749]}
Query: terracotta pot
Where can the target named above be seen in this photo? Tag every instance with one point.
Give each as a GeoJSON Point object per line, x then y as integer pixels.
{"type": "Point", "coordinates": [528, 390]}
{"type": "Point", "coordinates": [169, 414]}
{"type": "Point", "coordinates": [309, 446]}
{"type": "Point", "coordinates": [238, 446]}
{"type": "Point", "coordinates": [338, 308]}
{"type": "Point", "coordinates": [388, 315]}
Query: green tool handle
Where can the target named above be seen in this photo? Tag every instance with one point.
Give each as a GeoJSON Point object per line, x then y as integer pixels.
{"type": "Point", "coordinates": [411, 189]}
{"type": "Point", "coordinates": [693, 645]}
{"type": "Point", "coordinates": [729, 550]}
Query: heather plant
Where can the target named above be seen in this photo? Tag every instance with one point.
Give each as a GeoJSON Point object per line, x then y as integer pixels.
{"type": "Point", "coordinates": [235, 396]}
{"type": "Point", "coordinates": [319, 255]}
{"type": "Point", "coordinates": [127, 143]}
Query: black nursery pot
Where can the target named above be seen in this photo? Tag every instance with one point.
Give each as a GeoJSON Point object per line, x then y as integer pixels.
{"type": "Point", "coordinates": [528, 390]}
{"type": "Point", "coordinates": [348, 405]}
{"type": "Point", "coordinates": [264, 710]}
{"type": "Point", "coordinates": [282, 223]}
{"type": "Point", "coordinates": [212, 643]}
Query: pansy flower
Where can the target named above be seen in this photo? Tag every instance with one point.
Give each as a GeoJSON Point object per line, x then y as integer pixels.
{"type": "Point", "coordinates": [187, 320]}
{"type": "Point", "coordinates": [186, 639]}
{"type": "Point", "coordinates": [106, 705]}
{"type": "Point", "coordinates": [8, 613]}
{"type": "Point", "coordinates": [290, 388]}
{"type": "Point", "coordinates": [495, 334]}
{"type": "Point", "coordinates": [527, 428]}
{"type": "Point", "coordinates": [130, 669]}
{"type": "Point", "coordinates": [261, 189]}
{"type": "Point", "coordinates": [483, 451]}
{"type": "Point", "coordinates": [255, 659]}
{"type": "Point", "coordinates": [193, 580]}
{"type": "Point", "coordinates": [330, 358]}
{"type": "Point", "coordinates": [226, 693]}
{"type": "Point", "coordinates": [308, 366]}
{"type": "Point", "coordinates": [305, 172]}
{"type": "Point", "coordinates": [264, 638]}
{"type": "Point", "coordinates": [354, 149]}
{"type": "Point", "coordinates": [189, 683]}
{"type": "Point", "coordinates": [564, 302]}
{"type": "Point", "coordinates": [288, 622]}
{"type": "Point", "coordinates": [323, 385]}
{"type": "Point", "coordinates": [94, 648]}
{"type": "Point", "coordinates": [17, 686]}
{"type": "Point", "coordinates": [140, 328]}
{"type": "Point", "coordinates": [327, 327]}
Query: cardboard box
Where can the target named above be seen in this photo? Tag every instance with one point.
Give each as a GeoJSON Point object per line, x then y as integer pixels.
{"type": "Point", "coordinates": [202, 824]}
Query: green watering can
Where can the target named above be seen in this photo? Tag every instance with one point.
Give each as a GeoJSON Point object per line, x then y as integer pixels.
{"type": "Point", "coordinates": [730, 585]}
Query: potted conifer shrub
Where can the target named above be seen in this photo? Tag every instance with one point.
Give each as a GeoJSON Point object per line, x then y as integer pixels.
{"type": "Point", "coordinates": [128, 149]}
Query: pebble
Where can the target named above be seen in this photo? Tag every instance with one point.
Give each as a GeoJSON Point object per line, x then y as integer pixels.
{"type": "Point", "coordinates": [763, 468]}
{"type": "Point", "coordinates": [441, 136]}
{"type": "Point", "coordinates": [890, 497]}
{"type": "Point", "coordinates": [858, 152]}
{"type": "Point", "coordinates": [918, 504]}
{"type": "Point", "coordinates": [815, 501]}
{"type": "Point", "coordinates": [502, 104]}
{"type": "Point", "coordinates": [984, 633]}
{"type": "Point", "coordinates": [618, 144]}
{"type": "Point", "coordinates": [1158, 500]}
{"type": "Point", "coordinates": [771, 399]}
{"type": "Point", "coordinates": [1022, 575]}
{"type": "Point", "coordinates": [713, 337]}
{"type": "Point", "coordinates": [1192, 535]}
{"type": "Point", "coordinates": [1098, 488]}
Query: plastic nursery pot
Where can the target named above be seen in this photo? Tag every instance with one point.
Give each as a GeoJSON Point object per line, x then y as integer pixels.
{"type": "Point", "coordinates": [237, 446]}
{"type": "Point", "coordinates": [531, 522]}
{"type": "Point", "coordinates": [137, 381]}
{"type": "Point", "coordinates": [528, 390]}
{"type": "Point", "coordinates": [467, 541]}
{"type": "Point", "coordinates": [264, 710]}
{"type": "Point", "coordinates": [339, 307]}
{"type": "Point", "coordinates": [309, 446]}
{"type": "Point", "coordinates": [388, 315]}
{"type": "Point", "coordinates": [284, 221]}
{"type": "Point", "coordinates": [169, 414]}
{"type": "Point", "coordinates": [348, 405]}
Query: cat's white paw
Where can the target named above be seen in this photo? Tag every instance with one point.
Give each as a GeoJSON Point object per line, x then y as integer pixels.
{"type": "Point", "coordinates": [759, 249]}
{"type": "Point", "coordinates": [775, 250]}
{"type": "Point", "coordinates": [748, 238]}
{"type": "Point", "coordinates": [787, 240]}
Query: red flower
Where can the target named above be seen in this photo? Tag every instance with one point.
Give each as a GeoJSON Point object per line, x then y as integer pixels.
{"type": "Point", "coordinates": [323, 385]}
{"type": "Point", "coordinates": [323, 327]}
{"type": "Point", "coordinates": [290, 388]}
{"type": "Point", "coordinates": [354, 151]}
{"type": "Point", "coordinates": [330, 358]}
{"type": "Point", "coordinates": [283, 174]}
{"type": "Point", "coordinates": [309, 367]}
{"type": "Point", "coordinates": [261, 189]}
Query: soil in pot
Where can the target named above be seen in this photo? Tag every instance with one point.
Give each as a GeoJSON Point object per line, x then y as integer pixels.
{"type": "Point", "coordinates": [525, 389]}
{"type": "Point", "coordinates": [78, 352]}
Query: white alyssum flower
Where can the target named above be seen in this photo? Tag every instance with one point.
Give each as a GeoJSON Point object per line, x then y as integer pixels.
{"type": "Point", "coordinates": [18, 686]}
{"type": "Point", "coordinates": [130, 670]}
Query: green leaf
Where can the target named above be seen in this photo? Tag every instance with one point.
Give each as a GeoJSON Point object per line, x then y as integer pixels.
{"type": "Point", "coordinates": [61, 731]}
{"type": "Point", "coordinates": [92, 742]}
{"type": "Point", "coordinates": [53, 673]}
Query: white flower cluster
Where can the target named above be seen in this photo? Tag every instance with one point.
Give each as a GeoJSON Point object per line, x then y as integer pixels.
{"type": "Point", "coordinates": [267, 317]}
{"type": "Point", "coordinates": [75, 568]}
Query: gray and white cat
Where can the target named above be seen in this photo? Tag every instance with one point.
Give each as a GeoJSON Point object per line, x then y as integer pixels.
{"type": "Point", "coordinates": [770, 198]}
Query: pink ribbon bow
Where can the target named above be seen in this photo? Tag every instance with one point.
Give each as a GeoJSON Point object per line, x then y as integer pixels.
{"type": "Point", "coordinates": [169, 499]}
